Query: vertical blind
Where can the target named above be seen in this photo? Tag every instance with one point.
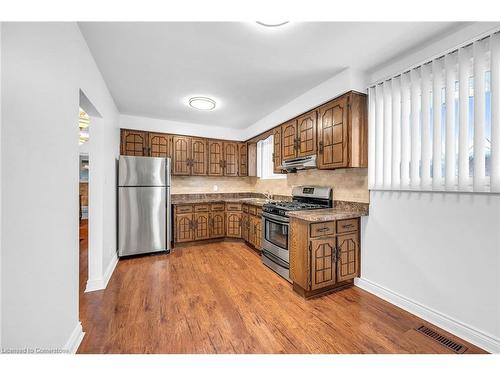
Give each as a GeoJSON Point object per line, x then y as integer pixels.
{"type": "Point", "coordinates": [437, 126]}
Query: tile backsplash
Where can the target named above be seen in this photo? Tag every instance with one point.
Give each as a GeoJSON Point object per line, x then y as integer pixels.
{"type": "Point", "coordinates": [348, 184]}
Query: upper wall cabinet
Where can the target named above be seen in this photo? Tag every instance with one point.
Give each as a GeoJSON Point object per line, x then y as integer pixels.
{"type": "Point", "coordinates": [343, 132]}
{"type": "Point", "coordinates": [134, 143]}
{"type": "Point", "coordinates": [289, 139]}
{"type": "Point", "coordinates": [243, 159]}
{"type": "Point", "coordinates": [159, 144]}
{"type": "Point", "coordinates": [181, 155]}
{"type": "Point", "coordinates": [231, 152]}
{"type": "Point", "coordinates": [199, 157]}
{"type": "Point", "coordinates": [306, 134]}
{"type": "Point", "coordinates": [299, 136]}
{"type": "Point", "coordinates": [215, 158]}
{"type": "Point", "coordinates": [277, 150]}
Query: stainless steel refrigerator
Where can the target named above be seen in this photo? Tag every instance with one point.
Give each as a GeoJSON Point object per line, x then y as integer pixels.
{"type": "Point", "coordinates": [143, 205]}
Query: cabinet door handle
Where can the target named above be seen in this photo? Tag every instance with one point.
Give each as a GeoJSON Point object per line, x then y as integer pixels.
{"type": "Point", "coordinates": [320, 146]}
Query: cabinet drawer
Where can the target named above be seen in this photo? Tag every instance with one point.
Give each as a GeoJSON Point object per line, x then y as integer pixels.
{"type": "Point", "coordinates": [217, 207]}
{"type": "Point", "coordinates": [233, 206]}
{"type": "Point", "coordinates": [252, 210]}
{"type": "Point", "coordinates": [201, 207]}
{"type": "Point", "coordinates": [349, 225]}
{"type": "Point", "coordinates": [323, 229]}
{"type": "Point", "coordinates": [183, 209]}
{"type": "Point", "coordinates": [244, 208]}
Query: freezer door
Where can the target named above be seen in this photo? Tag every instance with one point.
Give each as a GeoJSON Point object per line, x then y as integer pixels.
{"type": "Point", "coordinates": [142, 220]}
{"type": "Point", "coordinates": [143, 171]}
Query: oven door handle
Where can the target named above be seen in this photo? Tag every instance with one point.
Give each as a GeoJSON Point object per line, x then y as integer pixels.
{"type": "Point", "coordinates": [276, 218]}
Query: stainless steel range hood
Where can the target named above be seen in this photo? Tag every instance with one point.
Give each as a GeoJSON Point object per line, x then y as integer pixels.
{"type": "Point", "coordinates": [293, 165]}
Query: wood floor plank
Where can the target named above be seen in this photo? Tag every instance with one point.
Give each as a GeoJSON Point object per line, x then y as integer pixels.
{"type": "Point", "coordinates": [220, 298]}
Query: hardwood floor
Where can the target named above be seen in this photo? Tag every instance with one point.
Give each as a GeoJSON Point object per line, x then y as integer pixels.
{"type": "Point", "coordinates": [220, 298]}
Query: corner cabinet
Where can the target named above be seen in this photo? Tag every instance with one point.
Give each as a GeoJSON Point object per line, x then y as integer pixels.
{"type": "Point", "coordinates": [324, 256]}
{"type": "Point", "coordinates": [343, 132]}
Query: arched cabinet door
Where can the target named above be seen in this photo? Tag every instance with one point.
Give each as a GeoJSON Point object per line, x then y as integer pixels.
{"type": "Point", "coordinates": [332, 134]}
{"type": "Point", "coordinates": [199, 157]}
{"type": "Point", "coordinates": [215, 158]}
{"type": "Point", "coordinates": [323, 262]}
{"type": "Point", "coordinates": [233, 224]}
{"type": "Point", "coordinates": [184, 228]}
{"type": "Point", "coordinates": [201, 226]}
{"type": "Point", "coordinates": [134, 143]}
{"type": "Point", "coordinates": [181, 155]}
{"type": "Point", "coordinates": [217, 224]}
{"type": "Point", "coordinates": [289, 140]}
{"type": "Point", "coordinates": [230, 159]}
{"type": "Point", "coordinates": [277, 150]}
{"type": "Point", "coordinates": [243, 159]}
{"type": "Point", "coordinates": [348, 253]}
{"type": "Point", "coordinates": [306, 134]}
{"type": "Point", "coordinates": [159, 145]}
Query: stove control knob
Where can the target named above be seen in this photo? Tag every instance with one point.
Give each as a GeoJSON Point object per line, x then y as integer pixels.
{"type": "Point", "coordinates": [282, 212]}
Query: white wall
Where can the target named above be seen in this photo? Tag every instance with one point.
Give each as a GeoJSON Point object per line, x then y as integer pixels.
{"type": "Point", "coordinates": [339, 84]}
{"type": "Point", "coordinates": [347, 80]}
{"type": "Point", "coordinates": [437, 254]}
{"type": "Point", "coordinates": [43, 67]}
{"type": "Point", "coordinates": [441, 252]}
{"type": "Point", "coordinates": [1, 184]}
{"type": "Point", "coordinates": [177, 127]}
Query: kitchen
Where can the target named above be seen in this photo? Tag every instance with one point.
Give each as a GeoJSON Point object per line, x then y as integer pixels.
{"type": "Point", "coordinates": [247, 205]}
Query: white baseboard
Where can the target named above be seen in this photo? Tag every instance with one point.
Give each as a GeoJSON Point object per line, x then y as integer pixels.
{"type": "Point", "coordinates": [75, 339]}
{"type": "Point", "coordinates": [460, 329]}
{"type": "Point", "coordinates": [101, 283]}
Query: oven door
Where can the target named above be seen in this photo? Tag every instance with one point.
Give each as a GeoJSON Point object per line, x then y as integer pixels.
{"type": "Point", "coordinates": [275, 233]}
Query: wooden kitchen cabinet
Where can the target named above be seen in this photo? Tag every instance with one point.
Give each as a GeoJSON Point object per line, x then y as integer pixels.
{"type": "Point", "coordinates": [231, 152]}
{"type": "Point", "coordinates": [343, 132]}
{"type": "Point", "coordinates": [215, 158]}
{"type": "Point", "coordinates": [181, 155]}
{"type": "Point", "coordinates": [243, 159]}
{"type": "Point", "coordinates": [348, 253]}
{"type": "Point", "coordinates": [201, 226]}
{"type": "Point", "coordinates": [277, 150]}
{"type": "Point", "coordinates": [134, 143]}
{"type": "Point", "coordinates": [323, 260]}
{"type": "Point", "coordinates": [159, 145]}
{"type": "Point", "coordinates": [199, 157]}
{"type": "Point", "coordinates": [184, 229]}
{"type": "Point", "coordinates": [324, 256]}
{"type": "Point", "coordinates": [217, 224]}
{"type": "Point", "coordinates": [244, 225]}
{"type": "Point", "coordinates": [289, 140]}
{"type": "Point", "coordinates": [233, 224]}
{"type": "Point", "coordinates": [306, 134]}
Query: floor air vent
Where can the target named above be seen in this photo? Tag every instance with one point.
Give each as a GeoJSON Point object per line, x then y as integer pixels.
{"type": "Point", "coordinates": [443, 340]}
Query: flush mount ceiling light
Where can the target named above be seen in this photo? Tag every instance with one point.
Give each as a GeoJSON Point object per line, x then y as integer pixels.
{"type": "Point", "coordinates": [202, 103]}
{"type": "Point", "coordinates": [272, 23]}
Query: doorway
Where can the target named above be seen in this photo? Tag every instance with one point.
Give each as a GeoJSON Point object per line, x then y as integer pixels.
{"type": "Point", "coordinates": [83, 198]}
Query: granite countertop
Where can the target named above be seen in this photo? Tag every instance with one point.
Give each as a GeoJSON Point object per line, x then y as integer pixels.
{"type": "Point", "coordinates": [326, 214]}
{"type": "Point", "coordinates": [251, 201]}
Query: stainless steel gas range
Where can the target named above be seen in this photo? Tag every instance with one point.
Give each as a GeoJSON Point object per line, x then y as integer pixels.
{"type": "Point", "coordinates": [275, 224]}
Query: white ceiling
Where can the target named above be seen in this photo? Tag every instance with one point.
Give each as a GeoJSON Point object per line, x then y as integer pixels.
{"type": "Point", "coordinates": [151, 68]}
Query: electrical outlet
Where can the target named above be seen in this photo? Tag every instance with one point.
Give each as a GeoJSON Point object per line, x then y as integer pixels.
{"type": "Point", "coordinates": [216, 188]}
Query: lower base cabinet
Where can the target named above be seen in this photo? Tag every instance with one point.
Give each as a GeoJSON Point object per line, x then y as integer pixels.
{"type": "Point", "coordinates": [323, 256]}
{"type": "Point", "coordinates": [218, 220]}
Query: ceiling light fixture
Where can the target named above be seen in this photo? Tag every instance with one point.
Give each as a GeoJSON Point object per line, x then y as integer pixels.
{"type": "Point", "coordinates": [202, 103]}
{"type": "Point", "coordinates": [272, 24]}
